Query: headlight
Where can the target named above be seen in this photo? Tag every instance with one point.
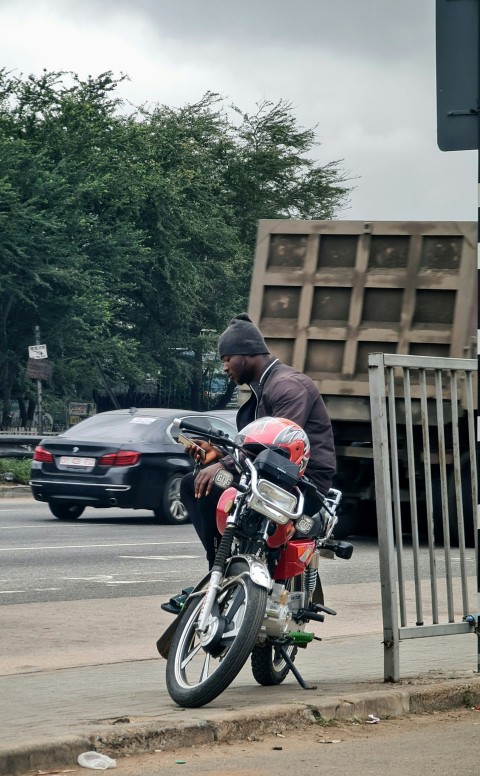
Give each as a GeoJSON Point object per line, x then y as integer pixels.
{"type": "Point", "coordinates": [277, 496]}
{"type": "Point", "coordinates": [273, 499]}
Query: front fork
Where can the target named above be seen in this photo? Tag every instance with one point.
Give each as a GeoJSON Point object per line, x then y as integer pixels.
{"type": "Point", "coordinates": [216, 575]}
{"type": "Point", "coordinates": [257, 572]}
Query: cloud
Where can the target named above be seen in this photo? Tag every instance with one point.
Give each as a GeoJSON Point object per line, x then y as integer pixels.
{"type": "Point", "coordinates": [363, 71]}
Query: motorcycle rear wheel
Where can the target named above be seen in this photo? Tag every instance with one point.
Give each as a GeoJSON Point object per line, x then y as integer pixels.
{"type": "Point", "coordinates": [268, 666]}
{"type": "Point", "coordinates": [198, 672]}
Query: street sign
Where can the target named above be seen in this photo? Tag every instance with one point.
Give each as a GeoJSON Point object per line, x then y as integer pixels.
{"type": "Point", "coordinates": [39, 369]}
{"type": "Point", "coordinates": [79, 410]}
{"type": "Point", "coordinates": [457, 39]}
{"type": "Point", "coordinates": [37, 351]}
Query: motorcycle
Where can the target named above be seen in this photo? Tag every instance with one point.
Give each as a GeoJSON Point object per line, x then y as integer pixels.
{"type": "Point", "coordinates": [264, 586]}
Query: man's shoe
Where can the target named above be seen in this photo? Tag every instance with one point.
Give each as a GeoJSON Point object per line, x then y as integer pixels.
{"type": "Point", "coordinates": [177, 602]}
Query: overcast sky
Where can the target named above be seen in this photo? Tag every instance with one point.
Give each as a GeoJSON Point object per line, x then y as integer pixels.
{"type": "Point", "coordinates": [363, 71]}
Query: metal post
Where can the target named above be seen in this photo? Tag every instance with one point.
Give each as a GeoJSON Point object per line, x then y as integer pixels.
{"type": "Point", "coordinates": [478, 349]}
{"type": "Point", "coordinates": [478, 597]}
{"type": "Point", "coordinates": [383, 497]}
{"type": "Point", "coordinates": [39, 391]}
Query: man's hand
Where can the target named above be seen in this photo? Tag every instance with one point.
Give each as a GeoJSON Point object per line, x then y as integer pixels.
{"type": "Point", "coordinates": [204, 479]}
{"type": "Point", "coordinates": [212, 453]}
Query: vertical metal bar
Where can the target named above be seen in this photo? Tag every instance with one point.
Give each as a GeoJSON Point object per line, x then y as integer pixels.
{"type": "Point", "coordinates": [478, 592]}
{"type": "Point", "coordinates": [391, 652]}
{"type": "Point", "coordinates": [428, 493]}
{"type": "Point", "coordinates": [442, 465]}
{"type": "Point", "coordinates": [475, 505]}
{"type": "Point", "coordinates": [472, 452]}
{"type": "Point", "coordinates": [397, 507]}
{"type": "Point", "coordinates": [457, 476]}
{"type": "Point", "coordinates": [413, 493]}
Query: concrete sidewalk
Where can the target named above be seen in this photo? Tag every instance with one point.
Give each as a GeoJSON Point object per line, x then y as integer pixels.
{"type": "Point", "coordinates": [48, 717]}
{"type": "Point", "coordinates": [82, 675]}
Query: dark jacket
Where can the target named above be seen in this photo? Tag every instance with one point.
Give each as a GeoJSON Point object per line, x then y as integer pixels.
{"type": "Point", "coordinates": [285, 393]}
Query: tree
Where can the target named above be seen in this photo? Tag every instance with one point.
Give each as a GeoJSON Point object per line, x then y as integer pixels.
{"type": "Point", "coordinates": [274, 175]}
{"type": "Point", "coordinates": [129, 237]}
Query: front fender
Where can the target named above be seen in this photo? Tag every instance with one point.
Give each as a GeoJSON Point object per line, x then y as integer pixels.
{"type": "Point", "coordinates": [258, 571]}
{"type": "Point", "coordinates": [258, 574]}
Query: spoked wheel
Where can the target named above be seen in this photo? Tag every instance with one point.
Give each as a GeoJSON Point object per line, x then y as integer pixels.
{"type": "Point", "coordinates": [200, 666]}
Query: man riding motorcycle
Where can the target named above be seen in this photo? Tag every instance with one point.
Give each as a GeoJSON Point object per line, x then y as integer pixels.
{"type": "Point", "coordinates": [277, 390]}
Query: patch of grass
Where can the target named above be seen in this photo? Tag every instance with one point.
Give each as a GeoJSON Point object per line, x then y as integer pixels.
{"type": "Point", "coordinates": [323, 722]}
{"type": "Point", "coordinates": [20, 468]}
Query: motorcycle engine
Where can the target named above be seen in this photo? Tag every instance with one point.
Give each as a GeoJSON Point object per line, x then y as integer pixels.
{"type": "Point", "coordinates": [278, 614]}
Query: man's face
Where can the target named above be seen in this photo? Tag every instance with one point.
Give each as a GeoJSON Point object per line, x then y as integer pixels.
{"type": "Point", "coordinates": [238, 368]}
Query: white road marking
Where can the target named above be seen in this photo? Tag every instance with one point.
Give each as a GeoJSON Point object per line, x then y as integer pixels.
{"type": "Point", "coordinates": [96, 577]}
{"type": "Point", "coordinates": [89, 546]}
{"type": "Point", "coordinates": [8, 592]}
{"type": "Point", "coordinates": [40, 589]}
{"type": "Point", "coordinates": [29, 526]}
{"type": "Point", "coordinates": [68, 526]}
{"type": "Point", "coordinates": [128, 582]}
{"type": "Point", "coordinates": [160, 557]}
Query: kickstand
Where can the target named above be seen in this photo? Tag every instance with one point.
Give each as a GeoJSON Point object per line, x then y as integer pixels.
{"type": "Point", "coordinates": [295, 670]}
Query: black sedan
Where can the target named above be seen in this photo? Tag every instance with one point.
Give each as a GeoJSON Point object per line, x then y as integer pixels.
{"type": "Point", "coordinates": [128, 459]}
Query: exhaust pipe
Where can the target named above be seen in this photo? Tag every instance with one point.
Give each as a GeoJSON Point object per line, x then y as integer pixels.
{"type": "Point", "coordinates": [113, 502]}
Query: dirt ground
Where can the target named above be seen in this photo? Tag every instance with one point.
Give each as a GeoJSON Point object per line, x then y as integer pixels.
{"type": "Point", "coordinates": [327, 747]}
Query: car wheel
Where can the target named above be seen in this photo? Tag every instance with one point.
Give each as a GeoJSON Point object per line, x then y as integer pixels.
{"type": "Point", "coordinates": [171, 510]}
{"type": "Point", "coordinates": [66, 511]}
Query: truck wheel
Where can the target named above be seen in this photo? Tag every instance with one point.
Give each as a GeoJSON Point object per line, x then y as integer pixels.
{"type": "Point", "coordinates": [351, 519]}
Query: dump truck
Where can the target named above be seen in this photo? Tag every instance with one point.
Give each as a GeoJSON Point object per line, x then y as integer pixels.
{"type": "Point", "coordinates": [326, 294]}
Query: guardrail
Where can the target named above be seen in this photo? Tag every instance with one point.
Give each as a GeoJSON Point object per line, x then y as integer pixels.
{"type": "Point", "coordinates": [436, 603]}
{"type": "Point", "coordinates": [18, 445]}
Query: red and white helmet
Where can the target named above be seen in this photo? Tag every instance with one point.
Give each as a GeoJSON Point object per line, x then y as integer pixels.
{"type": "Point", "coordinates": [282, 435]}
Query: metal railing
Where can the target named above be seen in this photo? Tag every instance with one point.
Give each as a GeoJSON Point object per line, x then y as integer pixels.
{"type": "Point", "coordinates": [423, 425]}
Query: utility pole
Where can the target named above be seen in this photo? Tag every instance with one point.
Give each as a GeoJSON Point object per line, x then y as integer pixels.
{"type": "Point", "coordinates": [39, 391]}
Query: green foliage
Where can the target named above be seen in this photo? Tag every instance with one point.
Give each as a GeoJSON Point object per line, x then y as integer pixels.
{"type": "Point", "coordinates": [20, 468]}
{"type": "Point", "coordinates": [129, 237]}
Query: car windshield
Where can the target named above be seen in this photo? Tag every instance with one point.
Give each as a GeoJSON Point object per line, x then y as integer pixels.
{"type": "Point", "coordinates": [121, 428]}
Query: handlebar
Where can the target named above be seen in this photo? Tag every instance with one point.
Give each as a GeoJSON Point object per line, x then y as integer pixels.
{"type": "Point", "coordinates": [186, 425]}
{"type": "Point", "coordinates": [213, 435]}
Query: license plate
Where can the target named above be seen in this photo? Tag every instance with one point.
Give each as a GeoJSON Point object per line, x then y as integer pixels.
{"type": "Point", "coordinates": [71, 460]}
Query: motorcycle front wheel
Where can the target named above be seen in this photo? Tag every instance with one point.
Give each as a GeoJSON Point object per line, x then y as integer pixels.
{"type": "Point", "coordinates": [201, 666]}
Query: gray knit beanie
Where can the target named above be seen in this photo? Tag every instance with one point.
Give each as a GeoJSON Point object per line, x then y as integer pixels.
{"type": "Point", "coordinates": [241, 338]}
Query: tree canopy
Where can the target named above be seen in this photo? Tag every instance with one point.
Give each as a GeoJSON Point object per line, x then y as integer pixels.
{"type": "Point", "coordinates": [127, 234]}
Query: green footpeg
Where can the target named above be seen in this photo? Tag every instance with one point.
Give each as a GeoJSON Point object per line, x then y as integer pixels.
{"type": "Point", "coordinates": [301, 637]}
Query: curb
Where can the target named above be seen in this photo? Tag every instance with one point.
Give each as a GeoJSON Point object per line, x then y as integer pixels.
{"type": "Point", "coordinates": [227, 725]}
{"type": "Point", "coordinates": [16, 491]}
